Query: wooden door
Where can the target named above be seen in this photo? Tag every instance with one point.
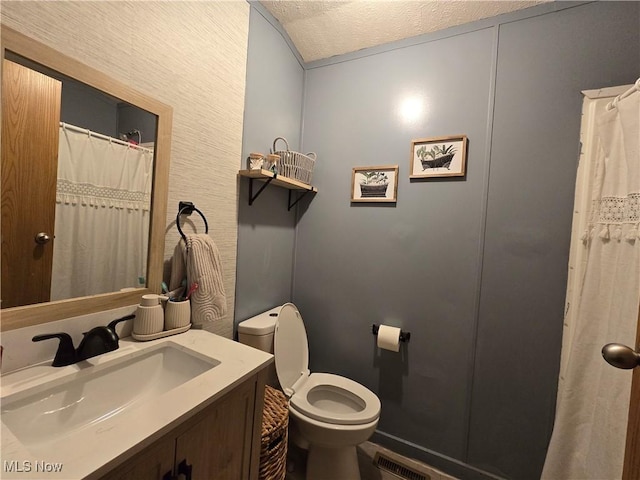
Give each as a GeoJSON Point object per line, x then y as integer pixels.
{"type": "Point", "coordinates": [632, 451]}
{"type": "Point", "coordinates": [30, 125]}
{"type": "Point", "coordinates": [218, 445]}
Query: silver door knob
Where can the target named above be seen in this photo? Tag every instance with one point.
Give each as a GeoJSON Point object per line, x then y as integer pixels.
{"type": "Point", "coordinates": [42, 238]}
{"type": "Point", "coordinates": [620, 356]}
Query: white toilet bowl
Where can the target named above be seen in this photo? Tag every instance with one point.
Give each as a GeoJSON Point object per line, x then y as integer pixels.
{"type": "Point", "coordinates": [332, 450]}
{"type": "Point", "coordinates": [331, 413]}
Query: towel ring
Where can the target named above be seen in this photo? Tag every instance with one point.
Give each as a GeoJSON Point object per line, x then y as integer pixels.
{"type": "Point", "coordinates": [187, 208]}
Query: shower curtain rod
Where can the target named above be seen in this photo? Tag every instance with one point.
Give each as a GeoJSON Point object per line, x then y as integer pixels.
{"type": "Point", "coordinates": [104, 137]}
{"type": "Point", "coordinates": [635, 88]}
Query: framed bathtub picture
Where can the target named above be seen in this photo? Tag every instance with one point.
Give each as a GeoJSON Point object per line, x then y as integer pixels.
{"type": "Point", "coordinates": [439, 157]}
{"type": "Point", "coordinates": [374, 184]}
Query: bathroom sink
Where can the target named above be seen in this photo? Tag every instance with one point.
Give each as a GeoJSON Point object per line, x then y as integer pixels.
{"type": "Point", "coordinates": [54, 409]}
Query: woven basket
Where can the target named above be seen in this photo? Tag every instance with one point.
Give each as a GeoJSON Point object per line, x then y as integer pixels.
{"type": "Point", "coordinates": [273, 441]}
{"type": "Point", "coordinates": [294, 164]}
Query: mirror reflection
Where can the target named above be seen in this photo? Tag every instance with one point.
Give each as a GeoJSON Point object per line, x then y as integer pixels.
{"type": "Point", "coordinates": [77, 176]}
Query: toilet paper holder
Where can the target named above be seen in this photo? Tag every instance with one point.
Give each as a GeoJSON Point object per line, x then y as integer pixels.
{"type": "Point", "coordinates": [404, 336]}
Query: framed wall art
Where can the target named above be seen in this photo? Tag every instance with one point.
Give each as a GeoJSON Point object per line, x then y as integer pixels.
{"type": "Point", "coordinates": [439, 157]}
{"type": "Point", "coordinates": [374, 184]}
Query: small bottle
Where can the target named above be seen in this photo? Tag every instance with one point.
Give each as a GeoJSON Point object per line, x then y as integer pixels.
{"type": "Point", "coordinates": [149, 315]}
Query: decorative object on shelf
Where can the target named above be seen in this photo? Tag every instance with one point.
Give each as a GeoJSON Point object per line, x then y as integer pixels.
{"type": "Point", "coordinates": [271, 163]}
{"type": "Point", "coordinates": [439, 157]}
{"type": "Point", "coordinates": [295, 165]}
{"type": "Point", "coordinates": [374, 184]}
{"type": "Point", "coordinates": [256, 160]}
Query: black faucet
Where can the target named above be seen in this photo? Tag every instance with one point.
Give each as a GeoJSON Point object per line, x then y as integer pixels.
{"type": "Point", "coordinates": [112, 324]}
{"type": "Point", "coordinates": [96, 341]}
{"type": "Point", "coordinates": [66, 354]}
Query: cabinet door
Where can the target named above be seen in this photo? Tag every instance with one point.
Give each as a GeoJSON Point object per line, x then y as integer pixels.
{"type": "Point", "coordinates": [218, 445]}
{"type": "Point", "coordinates": [153, 463]}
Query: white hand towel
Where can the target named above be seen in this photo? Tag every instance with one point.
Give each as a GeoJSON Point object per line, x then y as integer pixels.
{"type": "Point", "coordinates": [178, 269]}
{"type": "Point", "coordinates": [204, 267]}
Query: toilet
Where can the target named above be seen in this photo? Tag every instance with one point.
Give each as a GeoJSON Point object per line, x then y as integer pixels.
{"type": "Point", "coordinates": [331, 414]}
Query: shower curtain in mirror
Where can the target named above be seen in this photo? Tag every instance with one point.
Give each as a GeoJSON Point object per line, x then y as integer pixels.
{"type": "Point", "coordinates": [588, 439]}
{"type": "Point", "coordinates": [102, 215]}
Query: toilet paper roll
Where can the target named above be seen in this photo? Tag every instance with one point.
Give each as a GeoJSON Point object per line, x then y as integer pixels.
{"type": "Point", "coordinates": [389, 338]}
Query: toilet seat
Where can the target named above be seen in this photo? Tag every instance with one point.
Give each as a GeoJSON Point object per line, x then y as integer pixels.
{"type": "Point", "coordinates": [322, 396]}
{"type": "Point", "coordinates": [336, 399]}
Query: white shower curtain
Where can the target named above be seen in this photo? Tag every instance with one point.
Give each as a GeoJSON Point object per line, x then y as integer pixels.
{"type": "Point", "coordinates": [588, 439]}
{"type": "Point", "coordinates": [102, 215]}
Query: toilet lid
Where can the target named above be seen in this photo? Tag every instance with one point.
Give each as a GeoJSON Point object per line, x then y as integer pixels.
{"type": "Point", "coordinates": [291, 349]}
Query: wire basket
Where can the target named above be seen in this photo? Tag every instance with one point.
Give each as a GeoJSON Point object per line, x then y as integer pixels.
{"type": "Point", "coordinates": [294, 164]}
{"type": "Point", "coordinates": [273, 440]}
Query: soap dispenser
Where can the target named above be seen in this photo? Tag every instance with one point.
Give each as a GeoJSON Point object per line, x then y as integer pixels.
{"type": "Point", "coordinates": [149, 315]}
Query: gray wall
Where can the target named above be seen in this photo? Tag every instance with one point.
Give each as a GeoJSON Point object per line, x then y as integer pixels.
{"type": "Point", "coordinates": [543, 63]}
{"type": "Point", "coordinates": [414, 264]}
{"type": "Point", "coordinates": [132, 118]}
{"type": "Point", "coordinates": [273, 108]}
{"type": "Point", "coordinates": [86, 107]}
{"type": "Point", "coordinates": [474, 268]}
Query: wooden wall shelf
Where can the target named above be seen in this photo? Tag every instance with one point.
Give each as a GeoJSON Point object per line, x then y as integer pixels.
{"type": "Point", "coordinates": [268, 177]}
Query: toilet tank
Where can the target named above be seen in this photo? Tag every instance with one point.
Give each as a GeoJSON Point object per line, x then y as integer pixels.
{"type": "Point", "coordinates": [257, 332]}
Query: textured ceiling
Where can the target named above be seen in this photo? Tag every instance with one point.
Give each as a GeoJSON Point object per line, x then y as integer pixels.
{"type": "Point", "coordinates": [321, 29]}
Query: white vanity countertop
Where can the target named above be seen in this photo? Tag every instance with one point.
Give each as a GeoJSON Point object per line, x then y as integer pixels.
{"type": "Point", "coordinates": [95, 449]}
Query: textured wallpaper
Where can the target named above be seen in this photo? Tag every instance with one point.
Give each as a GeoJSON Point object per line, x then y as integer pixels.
{"type": "Point", "coordinates": [189, 55]}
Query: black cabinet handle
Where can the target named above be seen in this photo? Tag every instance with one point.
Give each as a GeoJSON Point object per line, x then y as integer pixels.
{"type": "Point", "coordinates": [168, 476]}
{"type": "Point", "coordinates": [185, 469]}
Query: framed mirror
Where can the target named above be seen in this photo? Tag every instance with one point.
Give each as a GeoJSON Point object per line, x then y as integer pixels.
{"type": "Point", "coordinates": [83, 206]}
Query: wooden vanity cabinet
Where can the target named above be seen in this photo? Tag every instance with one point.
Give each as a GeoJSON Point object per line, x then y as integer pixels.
{"type": "Point", "coordinates": [220, 442]}
{"type": "Point", "coordinates": [150, 464]}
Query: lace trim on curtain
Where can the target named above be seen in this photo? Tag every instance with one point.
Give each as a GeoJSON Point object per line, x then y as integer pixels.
{"type": "Point", "coordinates": [90, 195]}
{"type": "Point", "coordinates": [610, 214]}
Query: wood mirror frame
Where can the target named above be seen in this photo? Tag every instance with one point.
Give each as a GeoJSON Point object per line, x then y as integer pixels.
{"type": "Point", "coordinates": [28, 315]}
